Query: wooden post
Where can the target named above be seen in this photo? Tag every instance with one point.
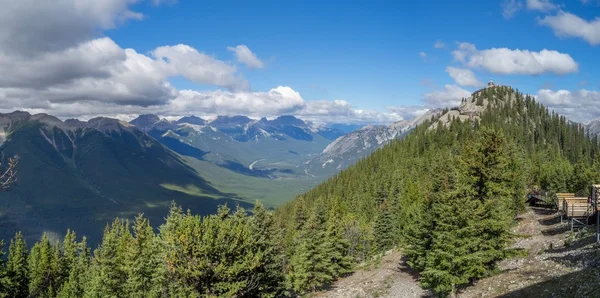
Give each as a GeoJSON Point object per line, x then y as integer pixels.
{"type": "Point", "coordinates": [595, 200]}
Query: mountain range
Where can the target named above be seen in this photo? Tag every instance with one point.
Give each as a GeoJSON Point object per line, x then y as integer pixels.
{"type": "Point", "coordinates": [84, 173]}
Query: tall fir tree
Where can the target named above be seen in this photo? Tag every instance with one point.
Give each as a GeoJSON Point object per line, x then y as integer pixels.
{"type": "Point", "coordinates": [17, 267]}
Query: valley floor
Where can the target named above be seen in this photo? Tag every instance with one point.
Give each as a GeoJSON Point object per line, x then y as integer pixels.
{"type": "Point", "coordinates": [556, 264]}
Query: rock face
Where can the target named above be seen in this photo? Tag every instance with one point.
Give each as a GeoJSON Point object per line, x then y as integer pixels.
{"type": "Point", "coordinates": [348, 149]}
{"type": "Point", "coordinates": [593, 127]}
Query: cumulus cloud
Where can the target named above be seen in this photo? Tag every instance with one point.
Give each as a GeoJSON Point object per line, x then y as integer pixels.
{"type": "Point", "coordinates": [280, 100]}
{"type": "Point", "coordinates": [463, 77]}
{"type": "Point", "coordinates": [541, 5]}
{"type": "Point", "coordinates": [198, 67]}
{"type": "Point", "coordinates": [507, 61]}
{"type": "Point", "coordinates": [31, 26]}
{"type": "Point", "coordinates": [565, 24]}
{"type": "Point", "coordinates": [580, 106]}
{"type": "Point", "coordinates": [510, 7]}
{"type": "Point", "coordinates": [62, 65]}
{"type": "Point", "coordinates": [450, 96]}
{"type": "Point", "coordinates": [244, 55]}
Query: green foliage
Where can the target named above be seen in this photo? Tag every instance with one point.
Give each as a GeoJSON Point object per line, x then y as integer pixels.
{"type": "Point", "coordinates": [446, 195]}
{"type": "Point", "coordinates": [5, 284]}
{"type": "Point", "coordinates": [17, 267]}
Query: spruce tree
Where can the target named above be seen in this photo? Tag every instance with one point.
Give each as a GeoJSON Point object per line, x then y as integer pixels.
{"type": "Point", "coordinates": [5, 285]}
{"type": "Point", "coordinates": [77, 281]}
{"type": "Point", "coordinates": [269, 274]}
{"type": "Point", "coordinates": [383, 228]}
{"type": "Point", "coordinates": [109, 268]}
{"type": "Point", "coordinates": [144, 259]}
{"type": "Point", "coordinates": [309, 263]}
{"type": "Point", "coordinates": [41, 266]}
{"type": "Point", "coordinates": [17, 267]}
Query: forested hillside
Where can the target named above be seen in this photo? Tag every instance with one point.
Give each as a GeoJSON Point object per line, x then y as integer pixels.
{"type": "Point", "coordinates": [446, 195]}
{"type": "Point", "coordinates": [448, 192]}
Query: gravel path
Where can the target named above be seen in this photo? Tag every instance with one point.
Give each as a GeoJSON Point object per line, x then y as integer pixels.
{"type": "Point", "coordinates": [555, 264]}
{"type": "Point", "coordinates": [386, 280]}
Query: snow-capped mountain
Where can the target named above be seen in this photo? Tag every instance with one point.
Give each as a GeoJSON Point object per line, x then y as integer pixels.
{"type": "Point", "coordinates": [348, 149]}
{"type": "Point", "coordinates": [237, 142]}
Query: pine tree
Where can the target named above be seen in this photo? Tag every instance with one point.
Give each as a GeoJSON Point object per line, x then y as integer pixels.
{"type": "Point", "coordinates": [17, 267]}
{"type": "Point", "coordinates": [109, 268]}
{"type": "Point", "coordinates": [5, 284]}
{"type": "Point", "coordinates": [450, 260]}
{"type": "Point", "coordinates": [144, 260]}
{"type": "Point", "coordinates": [309, 262]}
{"type": "Point", "coordinates": [40, 263]}
{"type": "Point", "coordinates": [383, 229]}
{"type": "Point", "coordinates": [77, 281]}
{"type": "Point", "coordinates": [336, 248]}
{"type": "Point", "coordinates": [268, 276]}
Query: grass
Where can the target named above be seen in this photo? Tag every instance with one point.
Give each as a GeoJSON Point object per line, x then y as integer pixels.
{"type": "Point", "coordinates": [190, 189]}
{"type": "Point", "coordinates": [271, 192]}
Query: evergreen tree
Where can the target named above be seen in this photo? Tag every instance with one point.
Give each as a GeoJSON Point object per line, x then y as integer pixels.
{"type": "Point", "coordinates": [41, 268]}
{"type": "Point", "coordinates": [268, 276]}
{"type": "Point", "coordinates": [77, 281]}
{"type": "Point", "coordinates": [144, 259]}
{"type": "Point", "coordinates": [309, 263]}
{"type": "Point", "coordinates": [383, 229]}
{"type": "Point", "coordinates": [17, 267]}
{"type": "Point", "coordinates": [5, 284]}
{"type": "Point", "coordinates": [109, 268]}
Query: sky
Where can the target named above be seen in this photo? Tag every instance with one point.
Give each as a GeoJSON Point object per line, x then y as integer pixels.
{"type": "Point", "coordinates": [324, 61]}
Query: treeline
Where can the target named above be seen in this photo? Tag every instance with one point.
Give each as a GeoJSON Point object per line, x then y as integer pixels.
{"type": "Point", "coordinates": [229, 254]}
{"type": "Point", "coordinates": [446, 195]}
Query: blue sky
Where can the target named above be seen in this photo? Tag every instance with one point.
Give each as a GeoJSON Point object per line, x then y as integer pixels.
{"type": "Point", "coordinates": [329, 61]}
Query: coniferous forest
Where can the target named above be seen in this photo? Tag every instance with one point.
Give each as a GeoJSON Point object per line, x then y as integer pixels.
{"type": "Point", "coordinates": [446, 196]}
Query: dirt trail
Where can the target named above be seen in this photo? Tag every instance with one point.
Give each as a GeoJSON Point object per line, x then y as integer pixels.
{"type": "Point", "coordinates": [555, 265]}
{"type": "Point", "coordinates": [389, 279]}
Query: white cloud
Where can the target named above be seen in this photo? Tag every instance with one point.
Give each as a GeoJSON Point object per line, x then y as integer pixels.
{"type": "Point", "coordinates": [580, 106]}
{"type": "Point", "coordinates": [463, 77]}
{"type": "Point", "coordinates": [541, 5]}
{"type": "Point", "coordinates": [198, 67]}
{"type": "Point", "coordinates": [439, 44]}
{"type": "Point", "coordinates": [100, 70]}
{"type": "Point", "coordinates": [450, 96]}
{"type": "Point", "coordinates": [244, 55]}
{"type": "Point", "coordinates": [510, 7]}
{"type": "Point", "coordinates": [423, 56]}
{"type": "Point", "coordinates": [565, 24]}
{"type": "Point", "coordinates": [280, 100]}
{"type": "Point", "coordinates": [507, 61]}
{"type": "Point", "coordinates": [32, 26]}
{"type": "Point", "coordinates": [54, 59]}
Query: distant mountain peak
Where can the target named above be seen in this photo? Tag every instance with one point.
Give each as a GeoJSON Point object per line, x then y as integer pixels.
{"type": "Point", "coordinates": [105, 124]}
{"type": "Point", "coordinates": [191, 120]}
{"type": "Point", "coordinates": [287, 120]}
{"type": "Point", "coordinates": [145, 121]}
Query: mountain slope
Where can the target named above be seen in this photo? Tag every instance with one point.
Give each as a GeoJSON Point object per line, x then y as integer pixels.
{"type": "Point", "coordinates": [449, 190]}
{"type": "Point", "coordinates": [348, 149]}
{"type": "Point", "coordinates": [261, 148]}
{"type": "Point", "coordinates": [83, 174]}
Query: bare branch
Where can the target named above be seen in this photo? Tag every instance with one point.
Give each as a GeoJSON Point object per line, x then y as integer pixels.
{"type": "Point", "coordinates": [7, 174]}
